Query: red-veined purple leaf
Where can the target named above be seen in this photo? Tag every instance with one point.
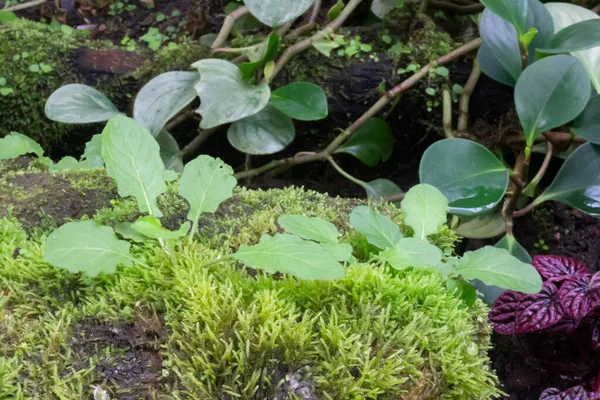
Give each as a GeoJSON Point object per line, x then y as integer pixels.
{"type": "Point", "coordinates": [539, 311]}
{"type": "Point", "coordinates": [595, 284]}
{"type": "Point", "coordinates": [574, 393]}
{"type": "Point", "coordinates": [557, 268]}
{"type": "Point", "coordinates": [566, 324]}
{"type": "Point", "coordinates": [503, 314]}
{"type": "Point", "coordinates": [576, 297]}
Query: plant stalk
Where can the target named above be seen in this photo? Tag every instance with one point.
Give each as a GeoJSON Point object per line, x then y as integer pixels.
{"type": "Point", "coordinates": [24, 6]}
{"type": "Point", "coordinates": [198, 141]}
{"type": "Point", "coordinates": [228, 26]}
{"type": "Point", "coordinates": [447, 114]}
{"type": "Point", "coordinates": [455, 8]}
{"type": "Point", "coordinates": [312, 22]}
{"type": "Point", "coordinates": [465, 98]}
{"type": "Point", "coordinates": [510, 203]}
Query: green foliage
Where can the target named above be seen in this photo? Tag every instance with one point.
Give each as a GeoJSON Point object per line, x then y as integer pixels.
{"type": "Point", "coordinates": [275, 13]}
{"type": "Point", "coordinates": [508, 242]}
{"type": "Point", "coordinates": [426, 209]}
{"type": "Point", "coordinates": [303, 101]}
{"type": "Point", "coordinates": [371, 144]}
{"type": "Point", "coordinates": [152, 228]}
{"type": "Point", "coordinates": [310, 228]}
{"type": "Point", "coordinates": [79, 104]}
{"type": "Point", "coordinates": [582, 35]}
{"type": "Point", "coordinates": [587, 124]}
{"type": "Point", "coordinates": [16, 144]}
{"type": "Point", "coordinates": [259, 55]}
{"type": "Point", "coordinates": [379, 230]}
{"type": "Point", "coordinates": [411, 252]}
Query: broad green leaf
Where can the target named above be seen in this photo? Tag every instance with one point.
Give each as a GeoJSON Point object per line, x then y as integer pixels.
{"type": "Point", "coordinates": [587, 124]}
{"type": "Point", "coordinates": [151, 227]}
{"type": "Point", "coordinates": [125, 230]}
{"type": "Point", "coordinates": [206, 182]}
{"type": "Point", "coordinates": [79, 104]}
{"type": "Point", "coordinates": [472, 188]}
{"type": "Point", "coordinates": [494, 266]}
{"type": "Point", "coordinates": [224, 96]}
{"type": "Point", "coordinates": [170, 153]}
{"type": "Point", "coordinates": [245, 22]}
{"type": "Point", "coordinates": [577, 184]}
{"type": "Point", "coordinates": [490, 66]}
{"type": "Point", "coordinates": [341, 251]}
{"type": "Point", "coordinates": [289, 254]}
{"type": "Point", "coordinates": [483, 226]}
{"type": "Point", "coordinates": [310, 228]}
{"type": "Point", "coordinates": [509, 243]}
{"type": "Point", "coordinates": [335, 11]}
{"type": "Point", "coordinates": [66, 164]}
{"type": "Point", "coordinates": [259, 55]}
{"type": "Point", "coordinates": [579, 36]}
{"type": "Point", "coordinates": [380, 188]}
{"type": "Point", "coordinates": [267, 132]}
{"type": "Point", "coordinates": [464, 290]}
{"type": "Point", "coordinates": [381, 8]}
{"type": "Point", "coordinates": [87, 248]}
{"type": "Point", "coordinates": [412, 252]}
{"type": "Point", "coordinates": [325, 46]}
{"type": "Point", "coordinates": [564, 15]}
{"type": "Point", "coordinates": [379, 230]}
{"type": "Point", "coordinates": [425, 209]}
{"type": "Point", "coordinates": [132, 158]}
{"type": "Point", "coordinates": [371, 144]}
{"type": "Point", "coordinates": [163, 97]}
{"type": "Point", "coordinates": [303, 101]}
{"type": "Point", "coordinates": [93, 152]}
{"type": "Point", "coordinates": [513, 11]}
{"type": "Point", "coordinates": [275, 13]}
{"type": "Point", "coordinates": [16, 145]}
{"type": "Point", "coordinates": [7, 16]}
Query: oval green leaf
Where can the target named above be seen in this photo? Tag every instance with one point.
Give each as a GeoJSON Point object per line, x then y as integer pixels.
{"type": "Point", "coordinates": [425, 209]}
{"type": "Point", "coordinates": [472, 188]}
{"type": "Point", "coordinates": [412, 252]}
{"type": "Point", "coordinates": [579, 36]}
{"type": "Point", "coordinates": [371, 144]}
{"type": "Point", "coordinates": [481, 226]}
{"type": "Point", "coordinates": [310, 228]}
{"type": "Point", "coordinates": [509, 243]}
{"type": "Point", "coordinates": [381, 8]}
{"type": "Point", "coordinates": [380, 188]}
{"type": "Point", "coordinates": [16, 144]}
{"type": "Point", "coordinates": [275, 13]}
{"type": "Point", "coordinates": [153, 229]}
{"type": "Point", "coordinates": [379, 230]}
{"type": "Point", "coordinates": [587, 124]}
{"type": "Point", "coordinates": [303, 101]}
{"type": "Point", "coordinates": [170, 152]}
{"type": "Point", "coordinates": [514, 12]}
{"type": "Point", "coordinates": [79, 104]}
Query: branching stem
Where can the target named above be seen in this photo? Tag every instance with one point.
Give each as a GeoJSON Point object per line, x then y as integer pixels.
{"type": "Point", "coordinates": [228, 26]}
{"type": "Point", "coordinates": [465, 98]}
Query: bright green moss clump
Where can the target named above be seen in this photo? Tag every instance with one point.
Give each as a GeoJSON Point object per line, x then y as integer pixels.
{"type": "Point", "coordinates": [184, 330]}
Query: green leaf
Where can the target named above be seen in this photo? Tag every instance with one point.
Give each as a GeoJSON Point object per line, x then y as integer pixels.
{"type": "Point", "coordinates": [481, 226]}
{"type": "Point", "coordinates": [224, 96]}
{"type": "Point", "coordinates": [582, 35]}
{"type": "Point", "coordinates": [472, 188]}
{"type": "Point", "coordinates": [7, 16]}
{"type": "Point", "coordinates": [79, 104]}
{"type": "Point", "coordinates": [492, 67]}
{"type": "Point", "coordinates": [132, 158]}
{"type": "Point", "coordinates": [381, 8]}
{"type": "Point", "coordinates": [587, 124]}
{"type": "Point", "coordinates": [260, 55]}
{"type": "Point", "coordinates": [412, 252]}
{"type": "Point", "coordinates": [425, 209]}
{"type": "Point", "coordinates": [564, 15]}
{"type": "Point", "coordinates": [66, 164]}
{"type": "Point", "coordinates": [125, 230]}
{"type": "Point", "coordinates": [289, 254]}
{"type": "Point", "coordinates": [303, 101]}
{"type": "Point", "coordinates": [494, 266]}
{"type": "Point", "coordinates": [163, 97]}
{"type": "Point", "coordinates": [509, 243]}
{"type": "Point", "coordinates": [170, 153]}
{"type": "Point", "coordinates": [16, 145]}
{"type": "Point", "coordinates": [87, 248]}
{"type": "Point", "coordinates": [380, 188]}
{"type": "Point", "coordinates": [325, 46]}
{"type": "Point", "coordinates": [577, 184]}
{"type": "Point", "coordinates": [341, 251]}
{"type": "Point", "coordinates": [335, 11]}
{"type": "Point", "coordinates": [464, 290]}
{"type": "Point", "coordinates": [267, 132]}
{"type": "Point", "coordinates": [372, 143]}
{"type": "Point", "coordinates": [275, 13]}
{"type": "Point", "coordinates": [93, 152]}
{"type": "Point", "coordinates": [151, 227]}
{"type": "Point", "coordinates": [310, 228]}
{"type": "Point", "coordinates": [514, 12]}
{"type": "Point", "coordinates": [206, 182]}
{"type": "Point", "coordinates": [379, 230]}
{"type": "Point", "coordinates": [550, 93]}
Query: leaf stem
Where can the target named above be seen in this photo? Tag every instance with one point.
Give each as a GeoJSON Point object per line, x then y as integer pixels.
{"type": "Point", "coordinates": [510, 203]}
{"type": "Point", "coordinates": [203, 135]}
{"type": "Point", "coordinates": [344, 173]}
{"type": "Point", "coordinates": [217, 260]}
{"type": "Point", "coordinates": [228, 26]}
{"type": "Point", "coordinates": [465, 98]}
{"type": "Point", "coordinates": [447, 114]}
{"type": "Point", "coordinates": [312, 22]}
{"type": "Point", "coordinates": [24, 6]}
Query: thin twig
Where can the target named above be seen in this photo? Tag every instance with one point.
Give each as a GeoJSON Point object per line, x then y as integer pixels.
{"type": "Point", "coordinates": [198, 140]}
{"type": "Point", "coordinates": [447, 114]}
{"type": "Point", "coordinates": [510, 203]}
{"type": "Point", "coordinates": [178, 119]}
{"type": "Point", "coordinates": [530, 189]}
{"type": "Point", "coordinates": [465, 98]}
{"type": "Point", "coordinates": [285, 27]}
{"type": "Point", "coordinates": [312, 23]}
{"type": "Point", "coordinates": [344, 173]}
{"type": "Point", "coordinates": [24, 6]}
{"type": "Point", "coordinates": [228, 26]}
{"type": "Point", "coordinates": [556, 138]}
{"type": "Point", "coordinates": [455, 8]}
{"type": "Point", "coordinates": [395, 197]}
{"type": "Point", "coordinates": [596, 9]}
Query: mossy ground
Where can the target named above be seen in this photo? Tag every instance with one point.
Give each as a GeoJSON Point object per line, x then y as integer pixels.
{"type": "Point", "coordinates": [183, 330]}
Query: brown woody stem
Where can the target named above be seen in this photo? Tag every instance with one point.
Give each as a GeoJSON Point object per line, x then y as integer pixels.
{"type": "Point", "coordinates": [447, 114]}
{"type": "Point", "coordinates": [24, 6]}
{"type": "Point", "coordinates": [465, 98]}
{"type": "Point", "coordinates": [455, 8]}
{"type": "Point", "coordinates": [228, 26]}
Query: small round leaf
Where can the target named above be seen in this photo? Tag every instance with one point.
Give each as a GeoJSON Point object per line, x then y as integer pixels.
{"type": "Point", "coordinates": [303, 101]}
{"type": "Point", "coordinates": [372, 143]}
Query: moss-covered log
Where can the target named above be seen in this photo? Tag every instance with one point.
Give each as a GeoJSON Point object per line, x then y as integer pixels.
{"type": "Point", "coordinates": [181, 330]}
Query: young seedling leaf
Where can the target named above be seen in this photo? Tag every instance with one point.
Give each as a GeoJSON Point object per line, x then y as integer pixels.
{"type": "Point", "coordinates": [494, 266]}
{"type": "Point", "coordinates": [510, 244]}
{"type": "Point", "coordinates": [126, 231]}
{"type": "Point", "coordinates": [267, 132]}
{"type": "Point", "coordinates": [152, 228]}
{"type": "Point", "coordinates": [341, 251]}
{"type": "Point", "coordinates": [206, 182]}
{"type": "Point", "coordinates": [582, 35]}
{"type": "Point", "coordinates": [224, 95]}
{"type": "Point", "coordinates": [379, 230]}
{"type": "Point", "coordinates": [412, 252]}
{"type": "Point", "coordinates": [289, 254]}
{"type": "Point", "coordinates": [92, 155]}
{"type": "Point", "coordinates": [163, 97]}
{"type": "Point", "coordinates": [79, 104]}
{"type": "Point", "coordinates": [464, 290]}
{"type": "Point", "coordinates": [473, 187]}
{"type": "Point", "coordinates": [15, 145]}
{"type": "Point", "coordinates": [259, 55]}
{"type": "Point", "coordinates": [132, 158]}
{"type": "Point", "coordinates": [425, 209]}
{"type": "Point", "coordinates": [310, 228]}
{"type": "Point", "coordinates": [484, 226]}
{"type": "Point", "coordinates": [275, 13]}
{"type": "Point", "coordinates": [587, 124]}
{"type": "Point", "coordinates": [371, 144]}
{"type": "Point", "coordinates": [67, 164]}
{"type": "Point", "coordinates": [577, 183]}
{"type": "Point", "coordinates": [550, 93]}
{"type": "Point", "coordinates": [325, 46]}
{"type": "Point", "coordinates": [303, 101]}
{"type": "Point", "coordinates": [170, 153]}
{"type": "Point", "coordinates": [381, 8]}
{"type": "Point", "coordinates": [87, 248]}
{"type": "Point", "coordinates": [380, 188]}
{"type": "Point", "coordinates": [335, 11]}
{"type": "Point", "coordinates": [514, 12]}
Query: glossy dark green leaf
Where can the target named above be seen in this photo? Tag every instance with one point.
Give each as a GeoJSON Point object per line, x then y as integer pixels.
{"type": "Point", "coordinates": [483, 226]}
{"type": "Point", "coordinates": [259, 55]}
{"type": "Point", "coordinates": [587, 124]}
{"type": "Point", "coordinates": [550, 93]}
{"type": "Point", "coordinates": [468, 174]}
{"type": "Point", "coordinates": [303, 101]}
{"type": "Point", "coordinates": [579, 36]}
{"type": "Point", "coordinates": [267, 132]}
{"type": "Point", "coordinates": [508, 242]}
{"type": "Point", "coordinates": [577, 184]}
{"type": "Point", "coordinates": [513, 11]}
{"type": "Point", "coordinates": [372, 143]}
{"type": "Point", "coordinates": [491, 67]}
{"type": "Point", "coordinates": [382, 188]}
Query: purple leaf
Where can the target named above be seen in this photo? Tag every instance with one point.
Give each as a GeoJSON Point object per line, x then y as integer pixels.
{"type": "Point", "coordinates": [595, 284]}
{"type": "Point", "coordinates": [576, 297]}
{"type": "Point", "coordinates": [566, 324]}
{"type": "Point", "coordinates": [503, 314]}
{"type": "Point", "coordinates": [557, 268]}
{"type": "Point", "coordinates": [574, 393]}
{"type": "Point", "coordinates": [539, 311]}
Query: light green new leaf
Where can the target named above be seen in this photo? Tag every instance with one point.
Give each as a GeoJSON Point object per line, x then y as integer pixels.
{"type": "Point", "coordinates": [335, 11]}
{"type": "Point", "coordinates": [341, 251]}
{"type": "Point", "coordinates": [275, 13]}
{"type": "Point", "coordinates": [513, 11]}
{"type": "Point", "coordinates": [79, 104]}
{"type": "Point", "coordinates": [125, 230]}
{"type": "Point", "coordinates": [371, 144]}
{"type": "Point", "coordinates": [303, 101]}
{"type": "Point", "coordinates": [93, 152]}
{"type": "Point", "coordinates": [132, 158]}
{"type": "Point", "coordinates": [587, 124]}
{"type": "Point", "coordinates": [267, 132]}
{"type": "Point", "coordinates": [152, 228]}
{"type": "Point", "coordinates": [464, 290]}
{"type": "Point", "coordinates": [88, 248]}
{"type": "Point", "coordinates": [224, 96]}
{"type": "Point", "coordinates": [7, 16]}
{"type": "Point", "coordinates": [16, 145]}
{"type": "Point", "coordinates": [290, 254]}
{"type": "Point", "coordinates": [325, 46]}
{"type": "Point", "coordinates": [381, 8]}
{"type": "Point", "coordinates": [379, 230]}
{"type": "Point", "coordinates": [579, 36]}
{"type": "Point", "coordinates": [426, 209]}
{"type": "Point", "coordinates": [494, 266]}
{"type": "Point", "coordinates": [577, 184]}
{"type": "Point", "coordinates": [509, 243]}
{"type": "Point", "coordinates": [259, 55]}
{"type": "Point", "coordinates": [481, 226]}
{"type": "Point", "coordinates": [66, 164]}
{"type": "Point", "coordinates": [412, 252]}
{"type": "Point", "coordinates": [206, 182]}
{"type": "Point", "coordinates": [310, 228]}
{"type": "Point", "coordinates": [163, 97]}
